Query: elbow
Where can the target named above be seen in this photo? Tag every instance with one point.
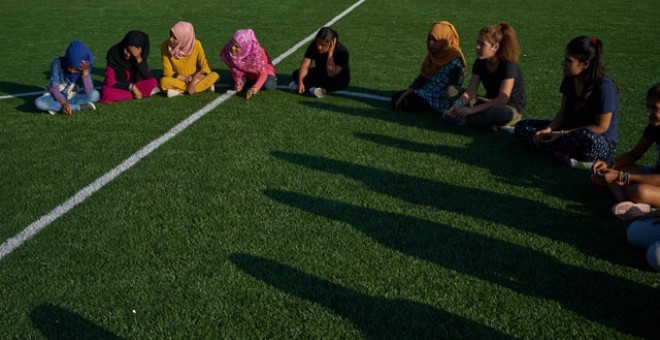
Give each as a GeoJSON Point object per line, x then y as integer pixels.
{"type": "Point", "coordinates": [502, 99]}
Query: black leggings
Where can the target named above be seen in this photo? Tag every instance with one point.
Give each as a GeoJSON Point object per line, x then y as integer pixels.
{"type": "Point", "coordinates": [319, 78]}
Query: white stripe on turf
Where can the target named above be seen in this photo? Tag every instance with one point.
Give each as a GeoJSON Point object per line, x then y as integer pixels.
{"type": "Point", "coordinates": [11, 244]}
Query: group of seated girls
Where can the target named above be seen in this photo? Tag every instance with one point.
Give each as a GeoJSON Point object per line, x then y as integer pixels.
{"type": "Point", "coordinates": [186, 69]}
{"type": "Point", "coordinates": [584, 130]}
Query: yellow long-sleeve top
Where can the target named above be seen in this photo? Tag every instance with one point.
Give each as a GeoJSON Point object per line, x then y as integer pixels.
{"type": "Point", "coordinates": [187, 66]}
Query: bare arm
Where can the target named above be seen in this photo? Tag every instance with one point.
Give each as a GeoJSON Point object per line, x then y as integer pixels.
{"type": "Point", "coordinates": [302, 73]}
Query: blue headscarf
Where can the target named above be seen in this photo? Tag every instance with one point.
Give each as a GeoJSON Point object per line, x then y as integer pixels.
{"type": "Point", "coordinates": [76, 52]}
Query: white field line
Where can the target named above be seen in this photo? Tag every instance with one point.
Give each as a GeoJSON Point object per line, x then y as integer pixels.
{"type": "Point", "coordinates": [350, 94]}
{"type": "Point", "coordinates": [11, 244]}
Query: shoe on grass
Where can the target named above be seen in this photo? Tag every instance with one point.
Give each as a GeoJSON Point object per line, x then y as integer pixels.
{"type": "Point", "coordinates": [212, 88]}
{"type": "Point", "coordinates": [565, 159]}
{"type": "Point", "coordinates": [317, 92]}
{"type": "Point", "coordinates": [87, 106]}
{"type": "Point", "coordinates": [173, 93]}
{"type": "Point", "coordinates": [293, 86]}
{"type": "Point", "coordinates": [52, 113]}
{"type": "Point", "coordinates": [629, 210]}
{"type": "Point", "coordinates": [155, 91]}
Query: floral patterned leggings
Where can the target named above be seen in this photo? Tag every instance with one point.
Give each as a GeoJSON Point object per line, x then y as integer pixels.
{"type": "Point", "coordinates": [582, 144]}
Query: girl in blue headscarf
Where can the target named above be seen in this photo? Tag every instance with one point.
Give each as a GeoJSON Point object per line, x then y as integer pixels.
{"type": "Point", "coordinates": [70, 86]}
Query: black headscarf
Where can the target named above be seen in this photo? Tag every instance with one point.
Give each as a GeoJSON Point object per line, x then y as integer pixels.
{"type": "Point", "coordinates": [115, 56]}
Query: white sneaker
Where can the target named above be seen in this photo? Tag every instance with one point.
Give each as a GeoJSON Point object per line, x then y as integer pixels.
{"type": "Point", "coordinates": [212, 88]}
{"type": "Point", "coordinates": [317, 92]}
{"type": "Point", "coordinates": [509, 129]}
{"type": "Point", "coordinates": [293, 86]}
{"type": "Point", "coordinates": [173, 93]}
{"type": "Point", "coordinates": [155, 91]}
{"type": "Point", "coordinates": [88, 106]}
{"type": "Point", "coordinates": [52, 113]}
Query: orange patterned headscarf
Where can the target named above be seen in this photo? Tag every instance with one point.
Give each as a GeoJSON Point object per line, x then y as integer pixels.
{"type": "Point", "coordinates": [446, 34]}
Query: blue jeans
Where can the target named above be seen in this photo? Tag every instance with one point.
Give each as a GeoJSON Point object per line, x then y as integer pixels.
{"type": "Point", "coordinates": [645, 234]}
{"type": "Point", "coordinates": [48, 103]}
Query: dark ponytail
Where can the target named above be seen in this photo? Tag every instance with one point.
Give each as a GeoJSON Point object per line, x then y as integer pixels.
{"type": "Point", "coordinates": [586, 49]}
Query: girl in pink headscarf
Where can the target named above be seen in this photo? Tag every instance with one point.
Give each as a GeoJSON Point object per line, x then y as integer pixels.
{"type": "Point", "coordinates": [248, 62]}
{"type": "Point", "coordinates": [185, 67]}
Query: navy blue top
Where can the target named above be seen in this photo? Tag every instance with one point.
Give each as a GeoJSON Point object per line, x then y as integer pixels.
{"type": "Point", "coordinates": [580, 112]}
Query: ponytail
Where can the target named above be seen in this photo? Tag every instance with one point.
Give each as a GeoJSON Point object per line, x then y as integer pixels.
{"type": "Point", "coordinates": [505, 35]}
{"type": "Point", "coordinates": [586, 49]}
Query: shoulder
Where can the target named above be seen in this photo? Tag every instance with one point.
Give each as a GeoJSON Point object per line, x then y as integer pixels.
{"type": "Point", "coordinates": [607, 87]}
{"type": "Point", "coordinates": [57, 61]}
{"type": "Point", "coordinates": [511, 68]}
{"type": "Point", "coordinates": [341, 47]}
{"type": "Point", "coordinates": [651, 132]}
{"type": "Point", "coordinates": [456, 63]}
{"type": "Point", "coordinates": [198, 46]}
{"type": "Point", "coordinates": [607, 83]}
{"type": "Point", "coordinates": [479, 64]}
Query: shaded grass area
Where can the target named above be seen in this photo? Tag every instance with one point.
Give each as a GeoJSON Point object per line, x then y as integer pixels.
{"type": "Point", "coordinates": [288, 216]}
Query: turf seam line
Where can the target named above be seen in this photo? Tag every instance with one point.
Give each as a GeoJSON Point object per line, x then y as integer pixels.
{"type": "Point", "coordinates": [12, 243]}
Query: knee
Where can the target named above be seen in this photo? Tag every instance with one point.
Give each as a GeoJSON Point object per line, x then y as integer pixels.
{"type": "Point", "coordinates": [213, 76]}
{"type": "Point", "coordinates": [94, 96]}
{"type": "Point", "coordinates": [40, 103]}
{"type": "Point", "coordinates": [270, 84]}
{"type": "Point", "coordinates": [640, 192]}
{"type": "Point", "coordinates": [641, 232]}
{"type": "Point", "coordinates": [165, 83]}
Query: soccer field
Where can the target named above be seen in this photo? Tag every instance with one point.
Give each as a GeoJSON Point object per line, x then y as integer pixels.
{"type": "Point", "coordinates": [288, 216]}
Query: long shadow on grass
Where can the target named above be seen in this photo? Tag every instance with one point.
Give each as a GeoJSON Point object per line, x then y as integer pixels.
{"type": "Point", "coordinates": [59, 323]}
{"type": "Point", "coordinates": [505, 159]}
{"type": "Point", "coordinates": [515, 212]}
{"type": "Point", "coordinates": [427, 121]}
{"type": "Point", "coordinates": [377, 317]}
{"type": "Point", "coordinates": [28, 101]}
{"type": "Point", "coordinates": [611, 301]}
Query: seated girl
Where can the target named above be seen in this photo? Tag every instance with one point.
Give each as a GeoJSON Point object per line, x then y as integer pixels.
{"type": "Point", "coordinates": [70, 86]}
{"type": "Point", "coordinates": [248, 62]}
{"type": "Point", "coordinates": [185, 67]}
{"type": "Point", "coordinates": [444, 66]}
{"type": "Point", "coordinates": [635, 187]}
{"type": "Point", "coordinates": [585, 128]}
{"type": "Point", "coordinates": [127, 74]}
{"type": "Point", "coordinates": [331, 71]}
{"type": "Point", "coordinates": [496, 67]}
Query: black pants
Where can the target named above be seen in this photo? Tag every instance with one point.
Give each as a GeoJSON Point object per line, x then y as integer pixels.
{"type": "Point", "coordinates": [319, 78]}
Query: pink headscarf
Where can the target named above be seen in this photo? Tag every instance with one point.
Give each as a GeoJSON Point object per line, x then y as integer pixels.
{"type": "Point", "coordinates": [185, 35]}
{"type": "Point", "coordinates": [252, 58]}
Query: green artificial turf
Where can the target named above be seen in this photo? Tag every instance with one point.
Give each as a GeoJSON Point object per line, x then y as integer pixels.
{"type": "Point", "coordinates": [288, 216]}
